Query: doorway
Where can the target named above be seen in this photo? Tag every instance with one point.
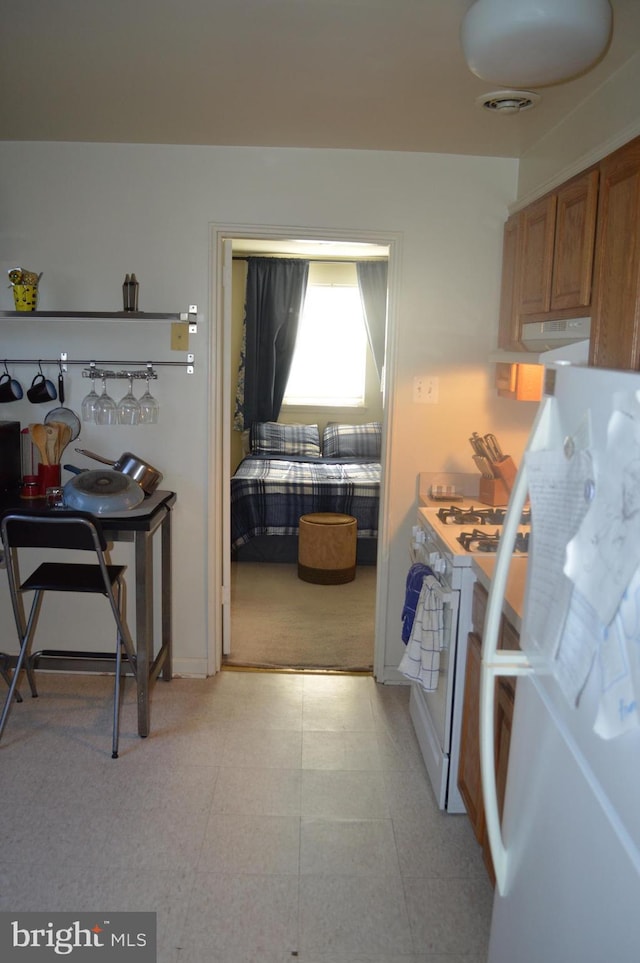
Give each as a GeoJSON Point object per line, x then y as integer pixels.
{"type": "Point", "coordinates": [268, 598]}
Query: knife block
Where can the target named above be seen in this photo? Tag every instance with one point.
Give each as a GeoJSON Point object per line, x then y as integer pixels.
{"type": "Point", "coordinates": [496, 491]}
{"type": "Point", "coordinates": [493, 491]}
{"type": "Point", "coordinates": [506, 471]}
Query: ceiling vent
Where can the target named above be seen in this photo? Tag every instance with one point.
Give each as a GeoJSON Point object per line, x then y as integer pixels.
{"type": "Point", "coordinates": [508, 101]}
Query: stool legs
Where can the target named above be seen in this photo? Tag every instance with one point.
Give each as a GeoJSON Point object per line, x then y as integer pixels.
{"type": "Point", "coordinates": [6, 675]}
{"type": "Point", "coordinates": [125, 642]}
{"type": "Point", "coordinates": [26, 635]}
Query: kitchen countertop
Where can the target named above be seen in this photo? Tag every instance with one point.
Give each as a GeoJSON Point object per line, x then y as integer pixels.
{"type": "Point", "coordinates": [483, 567]}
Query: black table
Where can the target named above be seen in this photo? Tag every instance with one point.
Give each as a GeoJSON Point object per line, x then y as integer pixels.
{"type": "Point", "coordinates": [137, 525]}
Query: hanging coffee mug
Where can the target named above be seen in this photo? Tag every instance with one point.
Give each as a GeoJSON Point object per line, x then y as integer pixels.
{"type": "Point", "coordinates": [41, 390]}
{"type": "Point", "coordinates": [10, 389]}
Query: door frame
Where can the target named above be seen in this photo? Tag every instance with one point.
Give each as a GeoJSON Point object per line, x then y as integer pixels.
{"type": "Point", "coordinates": [219, 418]}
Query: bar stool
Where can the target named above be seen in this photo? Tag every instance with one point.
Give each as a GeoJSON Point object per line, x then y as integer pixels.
{"type": "Point", "coordinates": [64, 530]}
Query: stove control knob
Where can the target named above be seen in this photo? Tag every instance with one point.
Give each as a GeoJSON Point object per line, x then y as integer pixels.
{"type": "Point", "coordinates": [436, 562]}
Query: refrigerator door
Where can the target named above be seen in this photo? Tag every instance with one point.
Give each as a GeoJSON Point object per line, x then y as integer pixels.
{"type": "Point", "coordinates": [573, 887]}
{"type": "Point", "coordinates": [567, 854]}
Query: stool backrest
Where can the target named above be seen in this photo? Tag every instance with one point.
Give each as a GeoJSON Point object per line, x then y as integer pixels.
{"type": "Point", "coordinates": [66, 530]}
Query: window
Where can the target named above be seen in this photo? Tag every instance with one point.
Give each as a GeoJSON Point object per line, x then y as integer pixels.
{"type": "Point", "coordinates": [329, 362]}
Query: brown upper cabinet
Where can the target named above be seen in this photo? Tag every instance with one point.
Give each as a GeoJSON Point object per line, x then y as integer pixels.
{"type": "Point", "coordinates": [509, 323]}
{"type": "Point", "coordinates": [576, 210]}
{"type": "Point", "coordinates": [548, 258]}
{"type": "Point", "coordinates": [535, 256]}
{"type": "Point", "coordinates": [557, 237]}
{"type": "Point", "coordinates": [615, 316]}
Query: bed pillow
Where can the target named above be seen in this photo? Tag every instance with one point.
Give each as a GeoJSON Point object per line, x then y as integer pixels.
{"type": "Point", "coordinates": [352, 441]}
{"type": "Point", "coordinates": [273, 438]}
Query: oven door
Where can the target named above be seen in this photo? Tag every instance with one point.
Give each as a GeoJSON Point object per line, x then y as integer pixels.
{"type": "Point", "coordinates": [432, 711]}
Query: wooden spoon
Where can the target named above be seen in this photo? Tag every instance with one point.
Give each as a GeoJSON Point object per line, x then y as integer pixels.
{"type": "Point", "coordinates": [59, 426]}
{"type": "Point", "coordinates": [64, 437]}
{"type": "Point", "coordinates": [52, 443]}
{"type": "Point", "coordinates": [38, 435]}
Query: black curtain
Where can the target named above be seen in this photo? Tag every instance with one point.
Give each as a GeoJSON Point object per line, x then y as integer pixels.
{"type": "Point", "coordinates": [274, 298]}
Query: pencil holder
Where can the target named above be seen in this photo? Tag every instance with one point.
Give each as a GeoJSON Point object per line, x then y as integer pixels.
{"type": "Point", "coordinates": [25, 296]}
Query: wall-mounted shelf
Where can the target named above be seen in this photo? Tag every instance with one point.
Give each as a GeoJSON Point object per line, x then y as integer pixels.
{"type": "Point", "coordinates": [89, 315]}
{"type": "Point", "coordinates": [190, 317]}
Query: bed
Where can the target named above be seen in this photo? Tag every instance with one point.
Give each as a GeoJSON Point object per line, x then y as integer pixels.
{"type": "Point", "coordinates": [290, 472]}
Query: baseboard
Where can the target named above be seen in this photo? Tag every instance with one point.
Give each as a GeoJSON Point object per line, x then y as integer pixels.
{"type": "Point", "coordinates": [391, 676]}
{"type": "Point", "coordinates": [190, 668]}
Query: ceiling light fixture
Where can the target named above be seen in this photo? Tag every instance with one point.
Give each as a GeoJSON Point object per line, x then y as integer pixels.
{"type": "Point", "coordinates": [533, 43]}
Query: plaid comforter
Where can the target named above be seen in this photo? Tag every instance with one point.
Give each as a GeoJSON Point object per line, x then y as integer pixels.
{"type": "Point", "coordinates": [268, 495]}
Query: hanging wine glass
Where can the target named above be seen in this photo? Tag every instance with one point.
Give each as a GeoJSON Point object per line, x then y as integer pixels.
{"type": "Point", "coordinates": [149, 408]}
{"type": "Point", "coordinates": [128, 410]}
{"type": "Point", "coordinates": [105, 407]}
{"type": "Point", "coordinates": [89, 403]}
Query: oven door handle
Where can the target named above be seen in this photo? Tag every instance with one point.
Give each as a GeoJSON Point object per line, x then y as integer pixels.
{"type": "Point", "coordinates": [446, 597]}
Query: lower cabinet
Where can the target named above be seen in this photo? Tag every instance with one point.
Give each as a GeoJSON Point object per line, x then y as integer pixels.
{"type": "Point", "coordinates": [469, 780]}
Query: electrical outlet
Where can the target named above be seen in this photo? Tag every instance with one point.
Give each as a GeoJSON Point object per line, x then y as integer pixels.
{"type": "Point", "coordinates": [425, 390]}
{"type": "Point", "coordinates": [179, 336]}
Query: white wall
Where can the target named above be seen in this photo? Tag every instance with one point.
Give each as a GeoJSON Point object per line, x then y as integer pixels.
{"type": "Point", "coordinates": [85, 214]}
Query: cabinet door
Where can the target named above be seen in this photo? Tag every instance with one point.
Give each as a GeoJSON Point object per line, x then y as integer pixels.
{"type": "Point", "coordinates": [509, 326]}
{"type": "Point", "coordinates": [577, 205]}
{"type": "Point", "coordinates": [469, 779]}
{"type": "Point", "coordinates": [505, 696]}
{"type": "Point", "coordinates": [505, 692]}
{"type": "Point", "coordinates": [615, 315]}
{"type": "Point", "coordinates": [535, 257]}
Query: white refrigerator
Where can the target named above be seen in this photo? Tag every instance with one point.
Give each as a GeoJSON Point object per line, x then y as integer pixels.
{"type": "Point", "coordinates": [566, 851]}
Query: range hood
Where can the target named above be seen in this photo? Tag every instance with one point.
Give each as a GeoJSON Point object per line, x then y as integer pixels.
{"type": "Point", "coordinates": [547, 335]}
{"type": "Point", "coordinates": [546, 341]}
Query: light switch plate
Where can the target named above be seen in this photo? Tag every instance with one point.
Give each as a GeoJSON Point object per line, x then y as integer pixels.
{"type": "Point", "coordinates": [425, 390]}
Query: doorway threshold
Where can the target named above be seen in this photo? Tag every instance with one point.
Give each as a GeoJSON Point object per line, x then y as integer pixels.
{"type": "Point", "coordinates": [285, 670]}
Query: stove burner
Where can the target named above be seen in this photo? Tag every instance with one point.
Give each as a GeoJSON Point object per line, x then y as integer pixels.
{"type": "Point", "coordinates": [454, 515]}
{"type": "Point", "coordinates": [483, 541]}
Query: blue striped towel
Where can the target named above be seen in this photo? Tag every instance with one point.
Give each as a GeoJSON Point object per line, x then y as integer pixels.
{"type": "Point", "coordinates": [415, 577]}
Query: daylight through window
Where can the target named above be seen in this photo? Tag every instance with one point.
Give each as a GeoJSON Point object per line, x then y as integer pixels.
{"type": "Point", "coordinates": [329, 361]}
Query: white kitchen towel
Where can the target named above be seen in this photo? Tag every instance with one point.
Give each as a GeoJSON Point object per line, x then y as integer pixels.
{"type": "Point", "coordinates": [421, 660]}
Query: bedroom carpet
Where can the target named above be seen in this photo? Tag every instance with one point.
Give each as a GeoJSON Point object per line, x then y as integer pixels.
{"type": "Point", "coordinates": [279, 620]}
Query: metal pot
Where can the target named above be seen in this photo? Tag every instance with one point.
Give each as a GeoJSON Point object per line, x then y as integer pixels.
{"type": "Point", "coordinates": [129, 464]}
{"type": "Point", "coordinates": [101, 491]}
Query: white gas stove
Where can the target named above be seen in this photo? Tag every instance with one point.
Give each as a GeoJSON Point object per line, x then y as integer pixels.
{"type": "Point", "coordinates": [466, 529]}
{"type": "Point", "coordinates": [446, 538]}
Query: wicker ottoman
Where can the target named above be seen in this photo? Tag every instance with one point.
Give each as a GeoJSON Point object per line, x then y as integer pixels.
{"type": "Point", "coordinates": [327, 548]}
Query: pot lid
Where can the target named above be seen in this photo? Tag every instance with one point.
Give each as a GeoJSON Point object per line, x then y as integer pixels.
{"type": "Point", "coordinates": [102, 482]}
{"type": "Point", "coordinates": [102, 490]}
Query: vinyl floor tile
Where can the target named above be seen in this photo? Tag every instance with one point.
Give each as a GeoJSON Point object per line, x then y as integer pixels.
{"type": "Point", "coordinates": [266, 815]}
